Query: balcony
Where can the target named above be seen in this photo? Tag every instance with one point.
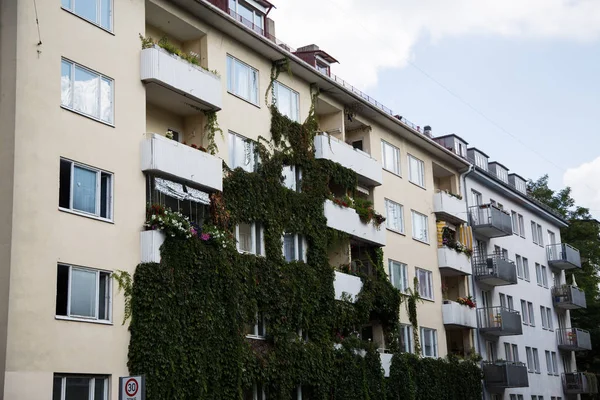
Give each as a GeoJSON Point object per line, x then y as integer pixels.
{"type": "Point", "coordinates": [490, 221]}
{"type": "Point", "coordinates": [573, 339]}
{"type": "Point", "coordinates": [347, 220]}
{"type": "Point", "coordinates": [452, 262]}
{"type": "Point", "coordinates": [150, 243]}
{"type": "Point", "coordinates": [499, 321]}
{"type": "Point", "coordinates": [568, 297]}
{"type": "Point", "coordinates": [458, 316]}
{"type": "Point", "coordinates": [349, 284]}
{"type": "Point", "coordinates": [579, 383]}
{"type": "Point", "coordinates": [500, 375]}
{"type": "Point", "coordinates": [367, 168]}
{"type": "Point", "coordinates": [449, 207]}
{"type": "Point", "coordinates": [182, 162]}
{"type": "Point", "coordinates": [494, 270]}
{"type": "Point", "coordinates": [177, 85]}
{"type": "Point", "coordinates": [563, 256]}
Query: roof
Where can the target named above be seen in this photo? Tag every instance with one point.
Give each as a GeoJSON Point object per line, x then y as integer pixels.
{"type": "Point", "coordinates": [517, 175]}
{"type": "Point", "coordinates": [477, 150]}
{"type": "Point", "coordinates": [265, 3]}
{"type": "Point", "coordinates": [451, 135]}
{"type": "Point", "coordinates": [497, 163]}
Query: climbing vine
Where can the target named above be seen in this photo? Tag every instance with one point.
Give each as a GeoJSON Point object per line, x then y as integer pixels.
{"type": "Point", "coordinates": [211, 128]}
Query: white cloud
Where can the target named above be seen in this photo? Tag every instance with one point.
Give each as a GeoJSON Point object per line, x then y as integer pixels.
{"type": "Point", "coordinates": [366, 36]}
{"type": "Point", "coordinates": [585, 185]}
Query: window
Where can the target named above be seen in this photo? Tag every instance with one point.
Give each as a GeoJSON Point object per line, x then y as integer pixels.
{"type": "Point", "coordinates": [515, 222]}
{"type": "Point", "coordinates": [534, 232]}
{"type": "Point", "coordinates": [536, 360]}
{"type": "Point", "coordinates": [530, 313]}
{"type": "Point", "coordinates": [425, 279]}
{"type": "Point", "coordinates": [544, 317]}
{"type": "Point", "coordinates": [538, 274]}
{"type": "Point", "coordinates": [242, 153]}
{"type": "Point", "coordinates": [256, 393]}
{"type": "Point", "coordinates": [189, 201]}
{"type": "Point", "coordinates": [540, 236]}
{"type": "Point", "coordinates": [399, 275]}
{"type": "Point", "coordinates": [511, 352]}
{"type": "Point", "coordinates": [287, 101]}
{"type": "Point", "coordinates": [390, 156]}
{"type": "Point", "coordinates": [549, 317]}
{"type": "Point", "coordinates": [519, 262]}
{"type": "Point", "coordinates": [420, 227]}
{"type": "Point", "coordinates": [544, 272]}
{"type": "Point", "coordinates": [551, 363]}
{"type": "Point", "coordinates": [98, 12]}
{"type": "Point", "coordinates": [481, 161]}
{"type": "Point", "coordinates": [429, 340]}
{"type": "Point", "coordinates": [416, 171]}
{"type": "Point", "coordinates": [83, 293]}
{"type": "Point", "coordinates": [406, 338]}
{"type": "Point", "coordinates": [85, 189]}
{"type": "Point", "coordinates": [247, 15]}
{"type": "Point", "coordinates": [394, 216]}
{"type": "Point", "coordinates": [80, 387]}
{"type": "Point", "coordinates": [85, 91]}
{"type": "Point", "coordinates": [526, 269]}
{"type": "Point", "coordinates": [524, 314]}
{"type": "Point", "coordinates": [294, 247]}
{"type": "Point", "coordinates": [521, 226]}
{"type": "Point", "coordinates": [529, 353]}
{"type": "Point", "coordinates": [554, 362]}
{"type": "Point", "coordinates": [292, 177]}
{"type": "Point", "coordinates": [259, 329]}
{"type": "Point", "coordinates": [250, 239]}
{"type": "Point", "coordinates": [477, 198]}
{"type": "Point", "coordinates": [242, 80]}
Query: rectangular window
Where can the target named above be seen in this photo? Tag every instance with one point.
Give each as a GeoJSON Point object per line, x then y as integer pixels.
{"type": "Point", "coordinates": [524, 315]}
{"type": "Point", "coordinates": [256, 393]}
{"type": "Point", "coordinates": [242, 153]}
{"type": "Point", "coordinates": [425, 279]}
{"type": "Point", "coordinates": [477, 198]}
{"type": "Point", "coordinates": [83, 293]}
{"type": "Point", "coordinates": [530, 313]}
{"type": "Point", "coordinates": [429, 342]}
{"type": "Point", "coordinates": [292, 177]}
{"type": "Point", "coordinates": [406, 338]}
{"type": "Point", "coordinates": [519, 263]}
{"type": "Point", "coordinates": [508, 352]}
{"type": "Point", "coordinates": [242, 80]}
{"type": "Point", "coordinates": [258, 330]}
{"type": "Point", "coordinates": [399, 275]}
{"type": "Point", "coordinates": [530, 366]}
{"type": "Point", "coordinates": [85, 189]}
{"type": "Point", "coordinates": [515, 350]}
{"type": "Point", "coordinates": [549, 363]}
{"type": "Point", "coordinates": [544, 317]}
{"type": "Point", "coordinates": [538, 274]}
{"type": "Point", "coordinates": [549, 318]}
{"type": "Point", "coordinates": [87, 92]}
{"type": "Point", "coordinates": [521, 226]}
{"type": "Point", "coordinates": [536, 360]}
{"type": "Point", "coordinates": [294, 247]}
{"type": "Point", "coordinates": [526, 269]}
{"type": "Point", "coordinates": [534, 235]}
{"type": "Point", "coordinates": [416, 171]}
{"type": "Point", "coordinates": [98, 12]}
{"type": "Point", "coordinates": [554, 362]}
{"type": "Point", "coordinates": [540, 235]}
{"type": "Point", "coordinates": [250, 239]}
{"type": "Point", "coordinates": [287, 101]}
{"type": "Point", "coordinates": [390, 156]}
{"type": "Point", "coordinates": [514, 222]}
{"type": "Point", "coordinates": [394, 216]}
{"type": "Point", "coordinates": [544, 273]}
{"type": "Point", "coordinates": [80, 387]}
{"type": "Point", "coordinates": [420, 227]}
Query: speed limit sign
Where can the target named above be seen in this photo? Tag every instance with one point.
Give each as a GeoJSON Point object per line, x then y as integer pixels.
{"type": "Point", "coordinates": [132, 388]}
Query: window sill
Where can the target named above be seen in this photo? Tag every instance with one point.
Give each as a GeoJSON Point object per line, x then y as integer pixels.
{"type": "Point", "coordinates": [417, 185]}
{"type": "Point", "coordinates": [90, 22]}
{"type": "Point", "coordinates": [395, 231]}
{"type": "Point", "coordinates": [243, 99]}
{"type": "Point", "coordinates": [426, 299]}
{"type": "Point", "coordinates": [256, 337]}
{"type": "Point", "coordinates": [422, 241]}
{"type": "Point", "coordinates": [86, 116]}
{"type": "Point", "coordinates": [392, 172]}
{"type": "Point", "coordinates": [90, 321]}
{"type": "Point", "coordinates": [81, 214]}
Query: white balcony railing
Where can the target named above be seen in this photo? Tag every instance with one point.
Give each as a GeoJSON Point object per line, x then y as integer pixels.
{"type": "Point", "coordinates": [180, 161]}
{"type": "Point", "coordinates": [345, 283]}
{"type": "Point", "coordinates": [457, 315]}
{"type": "Point", "coordinates": [368, 169]}
{"type": "Point", "coordinates": [179, 80]}
{"type": "Point", "coordinates": [150, 242]}
{"type": "Point", "coordinates": [347, 220]}
{"type": "Point", "coordinates": [450, 206]}
{"type": "Point", "coordinates": [458, 263]}
{"type": "Point", "coordinates": [386, 363]}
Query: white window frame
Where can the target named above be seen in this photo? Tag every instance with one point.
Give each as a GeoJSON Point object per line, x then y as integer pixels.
{"type": "Point", "coordinates": [538, 274]}
{"type": "Point", "coordinates": [526, 275]}
{"type": "Point", "coordinates": [536, 360]}
{"type": "Point", "coordinates": [71, 8]}
{"type": "Point", "coordinates": [534, 232]}
{"type": "Point", "coordinates": [426, 224]}
{"type": "Point", "coordinates": [257, 334]}
{"type": "Point", "coordinates": [258, 247]}
{"type": "Point", "coordinates": [235, 139]}
{"type": "Point", "coordinates": [476, 197]}
{"type": "Point", "coordinates": [540, 235]}
{"type": "Point", "coordinates": [100, 77]}
{"type": "Point", "coordinates": [524, 312]}
{"type": "Point", "coordinates": [544, 272]}
{"type": "Point", "coordinates": [294, 184]}
{"type": "Point", "coordinates": [253, 76]}
{"type": "Point", "coordinates": [530, 363]}
{"type": "Point", "coordinates": [258, 392]}
{"type": "Point", "coordinates": [554, 359]}
{"type": "Point", "coordinates": [519, 263]}
{"type": "Point", "coordinates": [515, 222]}
{"type": "Point", "coordinates": [280, 86]}
{"type": "Point", "coordinates": [417, 177]}
{"type": "Point", "coordinates": [530, 313]}
{"type": "Point", "coordinates": [402, 271]}
{"type": "Point", "coordinates": [429, 283]}
{"type": "Point", "coordinates": [549, 319]}
{"type": "Point", "coordinates": [406, 333]}
{"type": "Point", "coordinates": [521, 225]}
{"type": "Point", "coordinates": [544, 317]}
{"type": "Point", "coordinates": [432, 334]}
{"type": "Point", "coordinates": [63, 386]}
{"type": "Point", "coordinates": [395, 162]}
{"type": "Point", "coordinates": [297, 239]}
{"type": "Point", "coordinates": [109, 294]}
{"type": "Point", "coordinates": [399, 213]}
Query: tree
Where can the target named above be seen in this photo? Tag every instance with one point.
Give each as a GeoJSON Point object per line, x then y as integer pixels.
{"type": "Point", "coordinates": [583, 233]}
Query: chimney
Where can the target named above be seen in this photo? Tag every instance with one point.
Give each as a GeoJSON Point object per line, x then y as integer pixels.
{"type": "Point", "coordinates": [427, 131]}
{"type": "Point", "coordinates": [310, 47]}
{"type": "Point", "coordinates": [270, 29]}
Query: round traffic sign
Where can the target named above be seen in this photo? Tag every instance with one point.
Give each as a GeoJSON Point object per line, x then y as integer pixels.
{"type": "Point", "coordinates": [131, 387]}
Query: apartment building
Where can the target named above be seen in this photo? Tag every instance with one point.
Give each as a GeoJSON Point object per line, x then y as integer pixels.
{"type": "Point", "coordinates": [522, 286]}
{"type": "Point", "coordinates": [97, 123]}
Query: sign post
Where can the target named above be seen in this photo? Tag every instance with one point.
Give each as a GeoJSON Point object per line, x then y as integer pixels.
{"type": "Point", "coordinates": [132, 388]}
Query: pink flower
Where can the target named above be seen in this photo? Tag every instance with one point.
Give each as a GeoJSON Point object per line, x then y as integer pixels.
{"type": "Point", "coordinates": [205, 236]}
{"type": "Point", "coordinates": [193, 231]}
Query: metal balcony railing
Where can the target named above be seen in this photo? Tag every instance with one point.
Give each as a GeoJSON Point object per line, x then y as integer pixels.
{"type": "Point", "coordinates": [499, 321]}
{"type": "Point", "coordinates": [563, 256]}
{"type": "Point", "coordinates": [500, 375]}
{"type": "Point", "coordinates": [490, 221]}
{"type": "Point", "coordinates": [568, 297]}
{"type": "Point", "coordinates": [579, 383]}
{"type": "Point", "coordinates": [494, 270]}
{"type": "Point", "coordinates": [573, 339]}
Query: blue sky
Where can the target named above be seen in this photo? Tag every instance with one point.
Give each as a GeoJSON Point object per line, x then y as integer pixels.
{"type": "Point", "coordinates": [537, 80]}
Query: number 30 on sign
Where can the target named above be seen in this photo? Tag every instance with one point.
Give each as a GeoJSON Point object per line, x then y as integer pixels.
{"type": "Point", "coordinates": [132, 388]}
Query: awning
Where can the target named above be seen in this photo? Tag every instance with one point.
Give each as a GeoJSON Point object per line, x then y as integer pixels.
{"type": "Point", "coordinates": [180, 192]}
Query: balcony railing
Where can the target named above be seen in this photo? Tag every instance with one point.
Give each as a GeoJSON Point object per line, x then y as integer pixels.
{"type": "Point", "coordinates": [573, 339]}
{"type": "Point", "coordinates": [452, 262]}
{"type": "Point", "coordinates": [499, 321]}
{"type": "Point", "coordinates": [568, 297]}
{"type": "Point", "coordinates": [494, 270]}
{"type": "Point", "coordinates": [490, 221]}
{"type": "Point", "coordinates": [500, 375]}
{"type": "Point", "coordinates": [563, 256]}
{"type": "Point", "coordinates": [346, 220]}
{"type": "Point", "coordinates": [346, 284]}
{"type": "Point", "coordinates": [457, 315]}
{"type": "Point", "coordinates": [450, 207]}
{"type": "Point", "coordinates": [579, 383]}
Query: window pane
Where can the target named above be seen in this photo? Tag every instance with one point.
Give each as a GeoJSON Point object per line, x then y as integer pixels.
{"type": "Point", "coordinates": [99, 389]}
{"type": "Point", "coordinates": [106, 113]}
{"type": "Point", "coordinates": [283, 100]}
{"type": "Point", "coordinates": [66, 3]}
{"type": "Point", "coordinates": [105, 9]}
{"type": "Point", "coordinates": [289, 247]}
{"type": "Point", "coordinates": [289, 177]}
{"type": "Point", "coordinates": [66, 86]}
{"type": "Point", "coordinates": [65, 184]}
{"type": "Point", "coordinates": [85, 92]}
{"type": "Point", "coordinates": [230, 73]}
{"type": "Point", "coordinates": [254, 86]}
{"type": "Point", "coordinates": [77, 388]}
{"type": "Point", "coordinates": [242, 80]}
{"type": "Point", "coordinates": [295, 108]}
{"type": "Point", "coordinates": [105, 194]}
{"type": "Point", "coordinates": [57, 388]}
{"type": "Point", "coordinates": [84, 190]}
{"type": "Point", "coordinates": [83, 293]}
{"type": "Point", "coordinates": [87, 9]}
{"type": "Point", "coordinates": [245, 238]}
{"type": "Point", "coordinates": [103, 296]}
{"type": "Point", "coordinates": [62, 289]}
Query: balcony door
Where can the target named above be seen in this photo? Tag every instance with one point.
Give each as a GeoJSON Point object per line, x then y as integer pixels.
{"type": "Point", "coordinates": [477, 198]}
{"type": "Point", "coordinates": [552, 250]}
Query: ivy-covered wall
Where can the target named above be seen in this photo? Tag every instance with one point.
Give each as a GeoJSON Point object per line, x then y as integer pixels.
{"type": "Point", "coordinates": [188, 312]}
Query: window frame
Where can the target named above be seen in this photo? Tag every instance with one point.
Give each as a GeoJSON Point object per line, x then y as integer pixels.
{"type": "Point", "coordinates": [519, 264]}
{"type": "Point", "coordinates": [297, 240]}
{"type": "Point", "coordinates": [257, 334]}
{"type": "Point", "coordinates": [258, 244]}
{"type": "Point", "coordinates": [536, 360]}
{"type": "Point", "coordinates": [530, 363]}
{"type": "Point", "coordinates": [407, 334]}
{"type": "Point", "coordinates": [91, 377]}
{"type": "Point", "coordinates": [420, 171]}
{"type": "Point", "coordinates": [521, 225]}
{"type": "Point", "coordinates": [232, 79]}
{"type": "Point", "coordinates": [276, 86]}
{"type": "Point", "coordinates": [403, 268]}
{"type": "Point", "coordinates": [399, 208]}
{"type": "Point", "coordinates": [110, 29]}
{"type": "Point", "coordinates": [233, 139]}
{"type": "Point", "coordinates": [296, 184]}
{"type": "Point", "coordinates": [530, 313]}
{"type": "Point", "coordinates": [396, 156]}
{"type": "Point", "coordinates": [426, 224]}
{"type": "Point", "coordinates": [432, 333]}
{"type": "Point", "coordinates": [524, 312]}
{"type": "Point", "coordinates": [526, 274]}
{"type": "Point", "coordinates": [514, 221]}
{"type": "Point", "coordinates": [429, 283]}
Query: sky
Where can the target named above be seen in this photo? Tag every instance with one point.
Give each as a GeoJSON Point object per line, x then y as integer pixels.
{"type": "Point", "coordinates": [517, 79]}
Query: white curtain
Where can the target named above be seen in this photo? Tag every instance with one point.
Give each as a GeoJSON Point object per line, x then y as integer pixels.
{"type": "Point", "coordinates": [83, 293]}
{"type": "Point", "coordinates": [84, 190]}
